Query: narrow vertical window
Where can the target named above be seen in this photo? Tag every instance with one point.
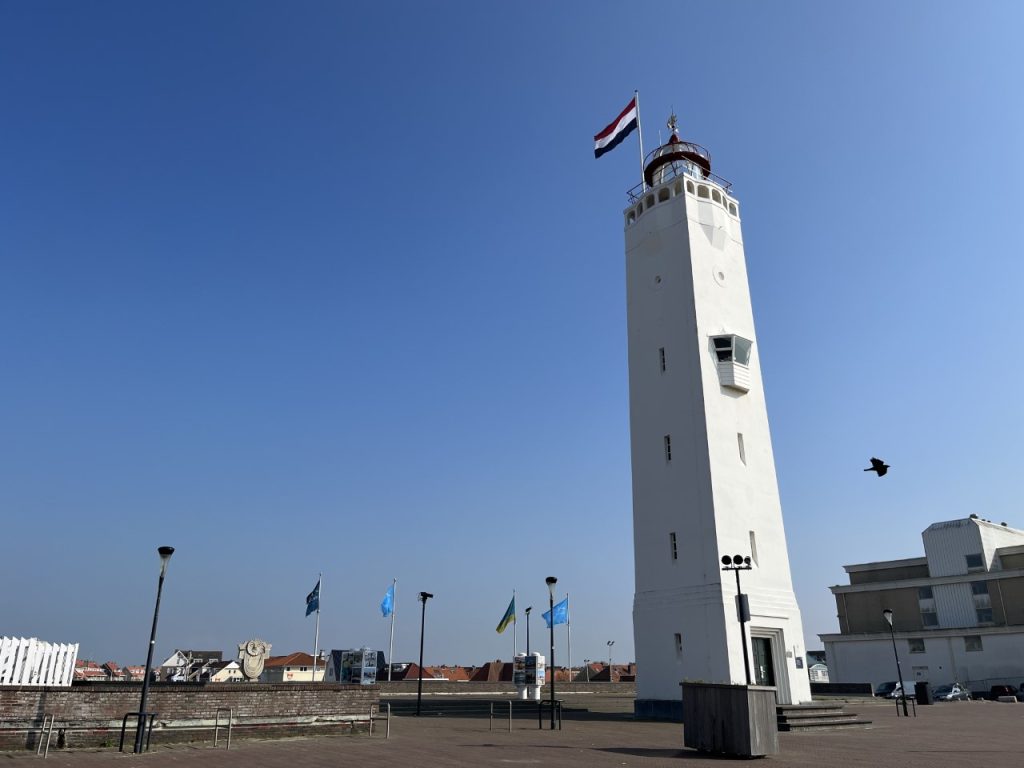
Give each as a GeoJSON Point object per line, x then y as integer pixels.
{"type": "Point", "coordinates": [673, 548]}
{"type": "Point", "coordinates": [742, 447]}
{"type": "Point", "coordinates": [753, 547]}
{"type": "Point", "coordinates": [679, 644]}
{"type": "Point", "coordinates": [661, 358]}
{"type": "Point", "coordinates": [668, 448]}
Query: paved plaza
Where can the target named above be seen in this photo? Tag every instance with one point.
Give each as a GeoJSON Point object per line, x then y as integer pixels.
{"type": "Point", "coordinates": [953, 734]}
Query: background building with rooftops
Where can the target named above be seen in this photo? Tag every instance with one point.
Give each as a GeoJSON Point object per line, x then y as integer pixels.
{"type": "Point", "coordinates": [958, 612]}
{"type": "Point", "coordinates": [293, 668]}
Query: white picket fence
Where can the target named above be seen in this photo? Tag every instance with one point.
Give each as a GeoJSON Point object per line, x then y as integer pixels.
{"type": "Point", "coordinates": [28, 661]}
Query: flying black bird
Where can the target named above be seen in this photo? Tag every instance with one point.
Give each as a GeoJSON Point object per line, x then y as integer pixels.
{"type": "Point", "coordinates": [877, 465]}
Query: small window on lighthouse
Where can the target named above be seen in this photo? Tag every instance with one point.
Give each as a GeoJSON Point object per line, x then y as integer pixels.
{"type": "Point", "coordinates": [672, 542]}
{"type": "Point", "coordinates": [733, 357]}
{"type": "Point", "coordinates": [661, 358]}
{"type": "Point", "coordinates": [668, 448]}
{"type": "Point", "coordinates": [679, 644]}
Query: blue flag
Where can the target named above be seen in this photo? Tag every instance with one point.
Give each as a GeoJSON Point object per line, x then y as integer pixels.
{"type": "Point", "coordinates": [387, 605]}
{"type": "Point", "coordinates": [561, 613]}
{"type": "Point", "coordinates": [313, 599]}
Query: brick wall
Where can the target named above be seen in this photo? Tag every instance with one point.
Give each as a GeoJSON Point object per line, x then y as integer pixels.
{"type": "Point", "coordinates": [90, 714]}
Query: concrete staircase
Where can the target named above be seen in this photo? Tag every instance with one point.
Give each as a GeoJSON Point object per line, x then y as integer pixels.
{"type": "Point", "coordinates": [815, 717]}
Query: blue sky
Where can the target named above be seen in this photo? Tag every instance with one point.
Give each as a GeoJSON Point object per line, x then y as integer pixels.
{"type": "Point", "coordinates": [299, 287]}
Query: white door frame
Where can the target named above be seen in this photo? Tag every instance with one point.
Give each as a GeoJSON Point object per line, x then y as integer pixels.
{"type": "Point", "coordinates": [780, 662]}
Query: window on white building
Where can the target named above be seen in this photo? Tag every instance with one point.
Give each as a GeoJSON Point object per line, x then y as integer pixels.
{"type": "Point", "coordinates": [742, 447]}
{"type": "Point", "coordinates": [926, 602]}
{"type": "Point", "coordinates": [972, 643]}
{"type": "Point", "coordinates": [982, 601]}
{"type": "Point", "coordinates": [915, 645]}
{"type": "Point", "coordinates": [733, 348]}
{"type": "Point", "coordinates": [975, 563]}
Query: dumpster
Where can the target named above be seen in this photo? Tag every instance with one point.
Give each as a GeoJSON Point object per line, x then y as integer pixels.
{"type": "Point", "coordinates": [923, 693]}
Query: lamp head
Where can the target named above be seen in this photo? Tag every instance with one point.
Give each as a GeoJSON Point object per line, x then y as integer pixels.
{"type": "Point", "coordinates": [726, 560]}
{"type": "Point", "coordinates": [551, 581]}
{"type": "Point", "coordinates": [611, 643]}
{"type": "Point", "coordinates": [165, 555]}
{"type": "Point", "coordinates": [424, 596]}
{"type": "Point", "coordinates": [737, 559]}
{"type": "Point", "coordinates": [527, 611]}
{"type": "Point", "coordinates": [887, 614]}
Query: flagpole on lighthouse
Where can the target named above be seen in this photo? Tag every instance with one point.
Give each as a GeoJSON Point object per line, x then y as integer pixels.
{"type": "Point", "coordinates": [391, 642]}
{"type": "Point", "coordinates": [640, 135]}
{"type": "Point", "coordinates": [316, 635]}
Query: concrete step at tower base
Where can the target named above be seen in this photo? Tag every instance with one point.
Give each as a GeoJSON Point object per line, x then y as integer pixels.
{"type": "Point", "coordinates": [817, 717]}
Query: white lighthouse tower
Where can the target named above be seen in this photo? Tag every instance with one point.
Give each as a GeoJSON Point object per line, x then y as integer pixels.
{"type": "Point", "coordinates": [704, 481]}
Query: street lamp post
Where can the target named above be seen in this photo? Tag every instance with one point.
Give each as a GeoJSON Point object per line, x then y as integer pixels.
{"type": "Point", "coordinates": [527, 612]}
{"type": "Point", "coordinates": [739, 563]}
{"type": "Point", "coordinates": [424, 596]}
{"type": "Point", "coordinates": [165, 555]}
{"type": "Point", "coordinates": [551, 581]}
{"type": "Point", "coordinates": [611, 677]}
{"type": "Point", "coordinates": [887, 614]}
{"type": "Point", "coordinates": [586, 664]}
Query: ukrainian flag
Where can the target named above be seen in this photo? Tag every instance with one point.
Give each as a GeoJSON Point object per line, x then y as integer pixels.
{"type": "Point", "coordinates": [509, 617]}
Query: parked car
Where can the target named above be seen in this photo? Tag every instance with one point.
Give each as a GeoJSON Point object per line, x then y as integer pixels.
{"type": "Point", "coordinates": [1020, 693]}
{"type": "Point", "coordinates": [889, 690]}
{"type": "Point", "coordinates": [1002, 690]}
{"type": "Point", "coordinates": [954, 692]}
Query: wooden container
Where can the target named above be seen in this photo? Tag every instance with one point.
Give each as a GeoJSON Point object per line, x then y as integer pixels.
{"type": "Point", "coordinates": [734, 720]}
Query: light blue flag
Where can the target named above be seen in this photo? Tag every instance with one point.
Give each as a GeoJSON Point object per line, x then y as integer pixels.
{"type": "Point", "coordinates": [561, 613]}
{"type": "Point", "coordinates": [387, 605]}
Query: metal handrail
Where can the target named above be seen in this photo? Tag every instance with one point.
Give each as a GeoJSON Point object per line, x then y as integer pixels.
{"type": "Point", "coordinates": [490, 721]}
{"type": "Point", "coordinates": [557, 704]}
{"type": "Point", "coordinates": [387, 719]}
{"type": "Point", "coordinates": [149, 730]}
{"type": "Point", "coordinates": [673, 171]}
{"type": "Point", "coordinates": [49, 732]}
{"type": "Point", "coordinates": [216, 725]}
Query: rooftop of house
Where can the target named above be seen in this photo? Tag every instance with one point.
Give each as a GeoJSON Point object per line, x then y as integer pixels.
{"type": "Point", "coordinates": [297, 659]}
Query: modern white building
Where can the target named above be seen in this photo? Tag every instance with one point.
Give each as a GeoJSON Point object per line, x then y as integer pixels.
{"type": "Point", "coordinates": [704, 482]}
{"type": "Point", "coordinates": [958, 612]}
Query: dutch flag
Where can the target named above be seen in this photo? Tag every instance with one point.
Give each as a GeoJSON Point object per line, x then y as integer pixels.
{"type": "Point", "coordinates": [617, 130]}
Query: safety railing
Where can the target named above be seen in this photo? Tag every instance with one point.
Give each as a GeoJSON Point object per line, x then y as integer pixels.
{"type": "Point", "coordinates": [385, 718]}
{"type": "Point", "coordinates": [141, 716]}
{"type": "Point", "coordinates": [557, 704]}
{"type": "Point", "coordinates": [676, 169]}
{"type": "Point", "coordinates": [48, 730]}
{"type": "Point", "coordinates": [490, 722]}
{"type": "Point", "coordinates": [217, 726]}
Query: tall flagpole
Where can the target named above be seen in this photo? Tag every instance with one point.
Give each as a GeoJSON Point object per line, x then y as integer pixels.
{"type": "Point", "coordinates": [316, 636]}
{"type": "Point", "coordinates": [391, 643]}
{"type": "Point", "coordinates": [640, 135]}
{"type": "Point", "coordinates": [514, 649]}
{"type": "Point", "coordinates": [568, 623]}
